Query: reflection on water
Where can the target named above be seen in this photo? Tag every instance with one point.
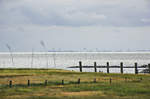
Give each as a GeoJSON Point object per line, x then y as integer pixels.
{"type": "Point", "coordinates": [62, 60]}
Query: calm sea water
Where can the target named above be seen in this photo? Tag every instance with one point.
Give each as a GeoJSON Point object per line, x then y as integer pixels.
{"type": "Point", "coordinates": [62, 60]}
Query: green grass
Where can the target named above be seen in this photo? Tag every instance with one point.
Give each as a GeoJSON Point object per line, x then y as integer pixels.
{"type": "Point", "coordinates": [132, 88]}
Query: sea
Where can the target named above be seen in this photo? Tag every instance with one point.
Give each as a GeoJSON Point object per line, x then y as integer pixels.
{"type": "Point", "coordinates": [63, 60]}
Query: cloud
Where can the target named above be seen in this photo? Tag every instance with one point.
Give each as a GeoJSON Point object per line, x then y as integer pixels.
{"type": "Point", "coordinates": [145, 20]}
{"type": "Point", "coordinates": [74, 24]}
{"type": "Point", "coordinates": [74, 12]}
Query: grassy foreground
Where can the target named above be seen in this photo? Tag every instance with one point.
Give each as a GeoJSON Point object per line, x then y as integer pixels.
{"type": "Point", "coordinates": [123, 86]}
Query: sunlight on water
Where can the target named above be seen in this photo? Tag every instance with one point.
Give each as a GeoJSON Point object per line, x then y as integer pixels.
{"type": "Point", "coordinates": [62, 60]}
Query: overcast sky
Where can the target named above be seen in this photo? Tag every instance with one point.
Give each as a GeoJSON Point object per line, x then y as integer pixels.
{"type": "Point", "coordinates": [75, 24]}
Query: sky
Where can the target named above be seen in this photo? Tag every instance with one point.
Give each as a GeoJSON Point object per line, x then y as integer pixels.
{"type": "Point", "coordinates": [74, 25]}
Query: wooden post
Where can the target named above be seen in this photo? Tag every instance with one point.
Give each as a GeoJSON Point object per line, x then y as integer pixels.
{"type": "Point", "coordinates": [80, 66]}
{"type": "Point", "coordinates": [149, 68]}
{"type": "Point", "coordinates": [46, 82]}
{"type": "Point", "coordinates": [136, 70]}
{"type": "Point", "coordinates": [62, 82]}
{"type": "Point", "coordinates": [110, 80]}
{"type": "Point", "coordinates": [10, 83]}
{"type": "Point", "coordinates": [95, 66]}
{"type": "Point", "coordinates": [94, 80]}
{"type": "Point", "coordinates": [125, 79]}
{"type": "Point", "coordinates": [121, 67]}
{"type": "Point", "coordinates": [28, 82]}
{"type": "Point", "coordinates": [79, 81]}
{"type": "Point", "coordinates": [107, 67]}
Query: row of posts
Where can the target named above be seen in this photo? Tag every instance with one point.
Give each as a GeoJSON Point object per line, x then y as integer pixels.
{"type": "Point", "coordinates": [121, 67]}
{"type": "Point", "coordinates": [46, 82]}
{"type": "Point", "coordinates": [28, 83]}
{"type": "Point", "coordinates": [63, 82]}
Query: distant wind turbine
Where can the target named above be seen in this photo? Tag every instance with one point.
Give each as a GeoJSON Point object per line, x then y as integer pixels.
{"type": "Point", "coordinates": [9, 48]}
{"type": "Point", "coordinates": [54, 58]}
{"type": "Point", "coordinates": [32, 58]}
{"type": "Point", "coordinates": [43, 45]}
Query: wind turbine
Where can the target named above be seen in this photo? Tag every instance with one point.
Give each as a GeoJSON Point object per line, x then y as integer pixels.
{"type": "Point", "coordinates": [43, 45]}
{"type": "Point", "coordinates": [9, 48]}
{"type": "Point", "coordinates": [32, 58]}
{"type": "Point", "coordinates": [54, 54]}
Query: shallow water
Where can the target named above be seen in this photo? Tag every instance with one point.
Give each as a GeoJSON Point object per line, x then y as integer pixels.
{"type": "Point", "coordinates": [62, 60]}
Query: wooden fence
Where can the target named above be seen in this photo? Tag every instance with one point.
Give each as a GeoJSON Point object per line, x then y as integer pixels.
{"type": "Point", "coordinates": [78, 81]}
{"type": "Point", "coordinates": [108, 67]}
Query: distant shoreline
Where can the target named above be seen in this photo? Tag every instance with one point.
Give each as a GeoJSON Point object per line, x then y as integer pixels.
{"type": "Point", "coordinates": [70, 52]}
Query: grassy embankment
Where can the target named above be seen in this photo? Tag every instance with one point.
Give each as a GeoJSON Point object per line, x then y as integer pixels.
{"type": "Point", "coordinates": [132, 88]}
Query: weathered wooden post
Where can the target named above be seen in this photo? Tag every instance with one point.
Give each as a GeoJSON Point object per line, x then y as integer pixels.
{"type": "Point", "coordinates": [110, 80]}
{"type": "Point", "coordinates": [95, 66]}
{"type": "Point", "coordinates": [28, 82]}
{"type": "Point", "coordinates": [149, 68]}
{"type": "Point", "coordinates": [121, 67]}
{"type": "Point", "coordinates": [94, 80]}
{"type": "Point", "coordinates": [79, 81]}
{"type": "Point", "coordinates": [136, 69]}
{"type": "Point", "coordinates": [125, 79]}
{"type": "Point", "coordinates": [10, 83]}
{"type": "Point", "coordinates": [107, 67]}
{"type": "Point", "coordinates": [62, 82]}
{"type": "Point", "coordinates": [80, 66]}
{"type": "Point", "coordinates": [46, 82]}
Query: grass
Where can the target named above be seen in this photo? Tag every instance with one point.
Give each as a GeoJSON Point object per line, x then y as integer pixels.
{"type": "Point", "coordinates": [133, 87]}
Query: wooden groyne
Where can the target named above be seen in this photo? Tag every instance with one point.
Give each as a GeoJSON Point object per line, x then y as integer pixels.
{"type": "Point", "coordinates": [108, 66]}
{"type": "Point", "coordinates": [103, 66]}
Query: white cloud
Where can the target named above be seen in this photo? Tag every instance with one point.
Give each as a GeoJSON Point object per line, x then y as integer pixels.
{"type": "Point", "coordinates": [145, 20]}
{"type": "Point", "coordinates": [74, 12]}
